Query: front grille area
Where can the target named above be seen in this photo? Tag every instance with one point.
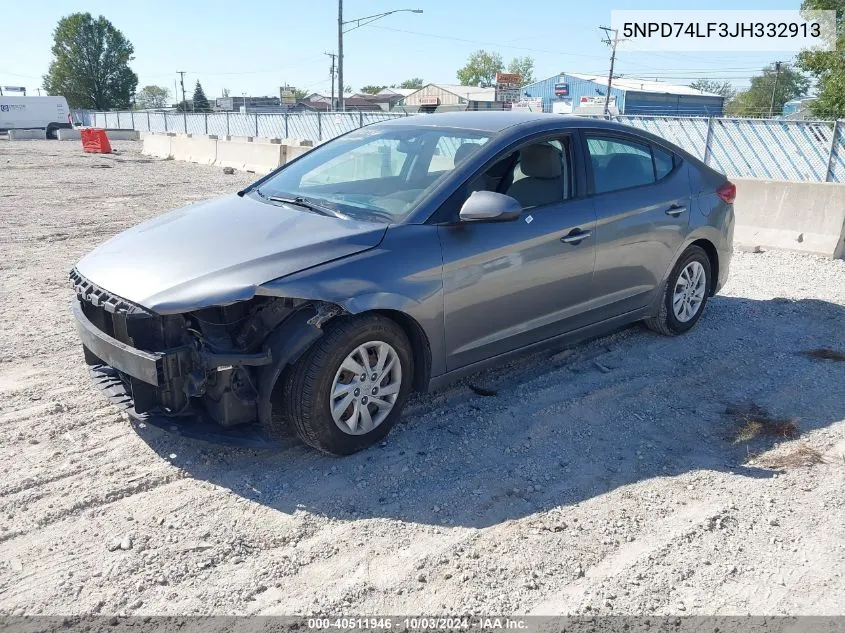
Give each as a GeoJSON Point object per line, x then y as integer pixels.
{"type": "Point", "coordinates": [139, 328]}
{"type": "Point", "coordinates": [96, 296]}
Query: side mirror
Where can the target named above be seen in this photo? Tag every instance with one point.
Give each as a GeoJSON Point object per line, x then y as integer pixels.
{"type": "Point", "coordinates": [489, 206]}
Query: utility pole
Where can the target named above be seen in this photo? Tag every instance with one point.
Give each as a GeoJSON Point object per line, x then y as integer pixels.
{"type": "Point", "coordinates": [774, 89]}
{"type": "Point", "coordinates": [612, 43]}
{"type": "Point", "coordinates": [340, 101]}
{"type": "Point", "coordinates": [333, 56]}
{"type": "Point", "coordinates": [182, 82]}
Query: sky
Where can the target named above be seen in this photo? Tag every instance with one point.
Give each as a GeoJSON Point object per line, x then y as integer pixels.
{"type": "Point", "coordinates": [254, 47]}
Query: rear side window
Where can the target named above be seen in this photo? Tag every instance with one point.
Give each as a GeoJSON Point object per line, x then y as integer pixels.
{"type": "Point", "coordinates": [663, 163]}
{"type": "Point", "coordinates": [622, 163]}
{"type": "Point", "coordinates": [619, 164]}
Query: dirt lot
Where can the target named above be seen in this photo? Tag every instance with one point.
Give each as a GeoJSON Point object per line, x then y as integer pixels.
{"type": "Point", "coordinates": [608, 479]}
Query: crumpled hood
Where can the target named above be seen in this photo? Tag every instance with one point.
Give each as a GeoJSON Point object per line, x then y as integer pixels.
{"type": "Point", "coordinates": [218, 252]}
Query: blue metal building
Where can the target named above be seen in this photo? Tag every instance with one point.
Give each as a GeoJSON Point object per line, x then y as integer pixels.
{"type": "Point", "coordinates": [569, 92]}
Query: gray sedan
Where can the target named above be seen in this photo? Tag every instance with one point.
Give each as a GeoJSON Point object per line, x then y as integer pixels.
{"type": "Point", "coordinates": [398, 257]}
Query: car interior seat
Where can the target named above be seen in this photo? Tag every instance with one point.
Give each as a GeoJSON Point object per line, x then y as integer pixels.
{"type": "Point", "coordinates": [542, 166]}
{"type": "Point", "coordinates": [463, 152]}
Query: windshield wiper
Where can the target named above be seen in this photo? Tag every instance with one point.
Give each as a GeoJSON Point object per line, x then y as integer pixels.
{"type": "Point", "coordinates": [305, 203]}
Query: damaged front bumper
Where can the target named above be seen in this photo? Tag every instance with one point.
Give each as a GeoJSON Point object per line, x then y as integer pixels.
{"type": "Point", "coordinates": [209, 374]}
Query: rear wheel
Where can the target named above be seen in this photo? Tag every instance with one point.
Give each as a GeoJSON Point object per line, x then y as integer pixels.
{"type": "Point", "coordinates": [348, 390]}
{"type": "Point", "coordinates": [685, 295]}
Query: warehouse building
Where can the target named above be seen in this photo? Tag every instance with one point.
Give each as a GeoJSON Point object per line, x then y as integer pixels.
{"type": "Point", "coordinates": [438, 97]}
{"type": "Point", "coordinates": [566, 93]}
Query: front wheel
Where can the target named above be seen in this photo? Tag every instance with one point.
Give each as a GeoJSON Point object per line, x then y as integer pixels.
{"type": "Point", "coordinates": [348, 390]}
{"type": "Point", "coordinates": [686, 294]}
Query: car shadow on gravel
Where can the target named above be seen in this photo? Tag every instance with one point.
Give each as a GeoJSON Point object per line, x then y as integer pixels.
{"type": "Point", "coordinates": [562, 427]}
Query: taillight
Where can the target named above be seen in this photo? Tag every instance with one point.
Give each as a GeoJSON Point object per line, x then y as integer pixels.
{"type": "Point", "coordinates": [727, 192]}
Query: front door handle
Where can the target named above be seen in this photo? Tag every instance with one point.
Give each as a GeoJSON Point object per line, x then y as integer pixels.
{"type": "Point", "coordinates": [575, 236]}
{"type": "Point", "coordinates": [675, 210]}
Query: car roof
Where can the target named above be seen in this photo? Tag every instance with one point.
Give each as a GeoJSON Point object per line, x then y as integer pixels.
{"type": "Point", "coordinates": [500, 120]}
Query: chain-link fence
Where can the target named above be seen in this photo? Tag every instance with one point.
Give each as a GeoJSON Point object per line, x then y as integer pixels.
{"type": "Point", "coordinates": [313, 126]}
{"type": "Point", "coordinates": [812, 151]}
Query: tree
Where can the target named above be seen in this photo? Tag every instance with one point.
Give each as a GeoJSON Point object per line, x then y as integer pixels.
{"type": "Point", "coordinates": [481, 68]}
{"type": "Point", "coordinates": [524, 67]}
{"type": "Point", "coordinates": [414, 83]}
{"type": "Point", "coordinates": [757, 100]}
{"type": "Point", "coordinates": [722, 88]}
{"type": "Point", "coordinates": [347, 90]}
{"type": "Point", "coordinates": [299, 94]}
{"type": "Point", "coordinates": [152, 97]}
{"type": "Point", "coordinates": [372, 90]}
{"type": "Point", "coordinates": [828, 67]}
{"type": "Point", "coordinates": [90, 66]}
{"type": "Point", "coordinates": [201, 103]}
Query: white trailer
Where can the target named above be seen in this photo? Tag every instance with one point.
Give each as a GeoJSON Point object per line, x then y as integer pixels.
{"type": "Point", "coordinates": [35, 113]}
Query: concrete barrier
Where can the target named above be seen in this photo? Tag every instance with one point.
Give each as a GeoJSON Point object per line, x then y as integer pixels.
{"type": "Point", "coordinates": [123, 135]}
{"type": "Point", "coordinates": [194, 149]}
{"type": "Point", "coordinates": [261, 158]}
{"type": "Point", "coordinates": [297, 142]}
{"type": "Point", "coordinates": [27, 135]}
{"type": "Point", "coordinates": [65, 134]}
{"type": "Point", "coordinates": [799, 216]}
{"type": "Point", "coordinates": [157, 145]}
{"type": "Point", "coordinates": [295, 151]}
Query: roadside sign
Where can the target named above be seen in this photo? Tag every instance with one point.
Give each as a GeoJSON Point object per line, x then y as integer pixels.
{"type": "Point", "coordinates": [599, 100]}
{"type": "Point", "coordinates": [508, 87]}
{"type": "Point", "coordinates": [562, 89]}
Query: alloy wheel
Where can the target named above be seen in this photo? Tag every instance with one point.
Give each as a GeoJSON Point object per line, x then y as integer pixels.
{"type": "Point", "coordinates": [365, 388]}
{"type": "Point", "coordinates": [689, 291]}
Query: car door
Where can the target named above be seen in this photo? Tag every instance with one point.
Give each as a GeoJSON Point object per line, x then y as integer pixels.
{"type": "Point", "coordinates": [642, 200]}
{"type": "Point", "coordinates": [510, 284]}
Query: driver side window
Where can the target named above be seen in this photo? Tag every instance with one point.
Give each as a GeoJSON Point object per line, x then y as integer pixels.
{"type": "Point", "coordinates": [537, 175]}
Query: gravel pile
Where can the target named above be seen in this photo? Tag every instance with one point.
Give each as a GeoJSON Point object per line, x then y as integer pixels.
{"type": "Point", "coordinates": [605, 479]}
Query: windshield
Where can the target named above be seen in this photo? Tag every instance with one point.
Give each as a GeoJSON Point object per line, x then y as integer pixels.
{"type": "Point", "coordinates": [377, 174]}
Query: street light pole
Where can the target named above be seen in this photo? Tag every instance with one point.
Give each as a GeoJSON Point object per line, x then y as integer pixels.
{"type": "Point", "coordinates": [358, 22]}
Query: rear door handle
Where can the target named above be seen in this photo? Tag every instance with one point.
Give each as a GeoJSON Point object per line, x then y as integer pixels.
{"type": "Point", "coordinates": [675, 210]}
{"type": "Point", "coordinates": [576, 236]}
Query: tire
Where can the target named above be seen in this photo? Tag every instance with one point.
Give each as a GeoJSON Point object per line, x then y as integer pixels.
{"type": "Point", "coordinates": [667, 322]}
{"type": "Point", "coordinates": [306, 403]}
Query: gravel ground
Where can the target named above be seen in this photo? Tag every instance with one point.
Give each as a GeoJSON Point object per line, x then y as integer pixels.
{"type": "Point", "coordinates": [606, 479]}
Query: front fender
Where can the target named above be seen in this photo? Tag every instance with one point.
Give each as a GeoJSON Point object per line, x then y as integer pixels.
{"type": "Point", "coordinates": [404, 273]}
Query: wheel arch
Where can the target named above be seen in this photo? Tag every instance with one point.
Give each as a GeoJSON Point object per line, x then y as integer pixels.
{"type": "Point", "coordinates": [713, 255]}
{"type": "Point", "coordinates": [299, 332]}
{"type": "Point", "coordinates": [420, 346]}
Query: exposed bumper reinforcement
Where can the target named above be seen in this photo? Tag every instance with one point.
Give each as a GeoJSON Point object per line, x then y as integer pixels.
{"type": "Point", "coordinates": [137, 363]}
{"type": "Point", "coordinates": [195, 427]}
